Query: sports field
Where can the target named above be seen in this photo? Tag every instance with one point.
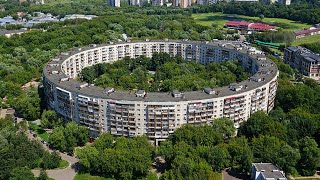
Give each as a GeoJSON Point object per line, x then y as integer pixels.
{"type": "Point", "coordinates": [220, 19]}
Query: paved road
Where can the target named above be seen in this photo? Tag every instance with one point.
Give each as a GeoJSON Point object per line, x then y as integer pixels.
{"type": "Point", "coordinates": [59, 174]}
{"type": "Point", "coordinates": [62, 174]}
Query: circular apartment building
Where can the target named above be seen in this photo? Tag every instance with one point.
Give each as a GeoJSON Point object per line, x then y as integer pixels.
{"type": "Point", "coordinates": [157, 114]}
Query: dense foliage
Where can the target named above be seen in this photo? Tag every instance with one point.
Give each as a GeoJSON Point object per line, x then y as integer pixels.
{"type": "Point", "coordinates": [68, 137]}
{"type": "Point", "coordinates": [49, 119]}
{"type": "Point", "coordinates": [18, 154]}
{"type": "Point", "coordinates": [315, 47]}
{"type": "Point", "coordinates": [163, 73]}
{"type": "Point", "coordinates": [272, 36]}
{"type": "Point", "coordinates": [119, 158]}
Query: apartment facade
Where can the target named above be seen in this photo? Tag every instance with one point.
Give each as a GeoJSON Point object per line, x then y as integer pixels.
{"type": "Point", "coordinates": [307, 62]}
{"type": "Point", "coordinates": [157, 114]}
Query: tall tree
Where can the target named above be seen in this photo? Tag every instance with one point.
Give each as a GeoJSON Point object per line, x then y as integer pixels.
{"type": "Point", "coordinates": [310, 156]}
{"type": "Point", "coordinates": [21, 173]}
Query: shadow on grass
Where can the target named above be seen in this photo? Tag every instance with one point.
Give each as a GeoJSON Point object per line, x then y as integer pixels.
{"type": "Point", "coordinates": [40, 130]}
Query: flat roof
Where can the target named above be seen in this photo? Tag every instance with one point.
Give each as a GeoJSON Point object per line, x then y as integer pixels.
{"type": "Point", "coordinates": [72, 85]}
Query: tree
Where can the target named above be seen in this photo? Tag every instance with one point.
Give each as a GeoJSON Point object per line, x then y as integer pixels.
{"type": "Point", "coordinates": [57, 139]}
{"type": "Point", "coordinates": [129, 158]}
{"type": "Point", "coordinates": [104, 141]}
{"type": "Point", "coordinates": [301, 124]}
{"type": "Point", "coordinates": [272, 149]}
{"type": "Point", "coordinates": [287, 159]}
{"type": "Point", "coordinates": [51, 160]}
{"type": "Point", "coordinates": [43, 175]}
{"type": "Point", "coordinates": [261, 124]}
{"type": "Point", "coordinates": [310, 156]}
{"type": "Point", "coordinates": [67, 138]}
{"type": "Point", "coordinates": [224, 126]}
{"type": "Point", "coordinates": [218, 157]}
{"type": "Point", "coordinates": [241, 154]}
{"type": "Point", "coordinates": [88, 74]}
{"type": "Point", "coordinates": [261, 17]}
{"type": "Point", "coordinates": [188, 168]}
{"type": "Point", "coordinates": [50, 119]}
{"type": "Point", "coordinates": [21, 173]}
{"type": "Point", "coordinates": [197, 135]}
{"type": "Point", "coordinates": [87, 156]}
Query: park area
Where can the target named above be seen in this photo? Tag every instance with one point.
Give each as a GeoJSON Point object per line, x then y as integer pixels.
{"type": "Point", "coordinates": [39, 131]}
{"type": "Point", "coordinates": [220, 19]}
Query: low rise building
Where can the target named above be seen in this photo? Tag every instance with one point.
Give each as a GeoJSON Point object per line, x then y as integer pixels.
{"type": "Point", "coordinates": [244, 25]}
{"type": "Point", "coordinates": [78, 16]}
{"type": "Point", "coordinates": [9, 33]}
{"type": "Point", "coordinates": [306, 32]}
{"type": "Point", "coordinates": [266, 171]}
{"type": "Point", "coordinates": [307, 62]}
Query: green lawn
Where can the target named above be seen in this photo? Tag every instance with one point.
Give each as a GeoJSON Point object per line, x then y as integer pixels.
{"type": "Point", "coordinates": [63, 164]}
{"type": "Point", "coordinates": [220, 19]}
{"type": "Point", "coordinates": [39, 131]}
{"type": "Point", "coordinates": [306, 40]}
{"type": "Point", "coordinates": [88, 177]}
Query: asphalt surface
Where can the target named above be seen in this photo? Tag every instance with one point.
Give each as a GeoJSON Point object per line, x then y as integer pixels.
{"type": "Point", "coordinates": [67, 173]}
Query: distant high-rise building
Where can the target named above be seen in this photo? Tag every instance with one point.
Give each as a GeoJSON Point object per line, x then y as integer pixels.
{"type": "Point", "coordinates": [284, 2]}
{"type": "Point", "coordinates": [175, 3]}
{"type": "Point", "coordinates": [114, 3]}
{"type": "Point", "coordinates": [185, 3]}
{"type": "Point", "coordinates": [242, 0]}
{"type": "Point", "coordinates": [159, 2]}
{"type": "Point", "coordinates": [135, 2]}
{"type": "Point", "coordinates": [212, 1]}
{"type": "Point", "coordinates": [202, 2]}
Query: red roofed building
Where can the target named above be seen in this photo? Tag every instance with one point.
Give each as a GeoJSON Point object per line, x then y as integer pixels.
{"type": "Point", "coordinates": [306, 32]}
{"type": "Point", "coordinates": [243, 25]}
{"type": "Point", "coordinates": [260, 27]}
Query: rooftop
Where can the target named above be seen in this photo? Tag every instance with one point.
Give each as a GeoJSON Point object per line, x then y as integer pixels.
{"type": "Point", "coordinates": [250, 25]}
{"type": "Point", "coordinates": [305, 53]}
{"type": "Point", "coordinates": [261, 26]}
{"type": "Point", "coordinates": [3, 32]}
{"type": "Point", "coordinates": [269, 170]}
{"type": "Point", "coordinates": [306, 31]}
{"type": "Point", "coordinates": [265, 72]}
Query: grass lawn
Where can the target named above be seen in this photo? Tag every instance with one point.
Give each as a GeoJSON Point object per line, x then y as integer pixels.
{"type": "Point", "coordinates": [220, 19]}
{"type": "Point", "coordinates": [63, 164]}
{"type": "Point", "coordinates": [306, 40]}
{"type": "Point", "coordinates": [88, 177]}
{"type": "Point", "coordinates": [39, 131]}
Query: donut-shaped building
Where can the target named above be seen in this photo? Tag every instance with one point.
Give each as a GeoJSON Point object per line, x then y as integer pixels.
{"type": "Point", "coordinates": [157, 114]}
